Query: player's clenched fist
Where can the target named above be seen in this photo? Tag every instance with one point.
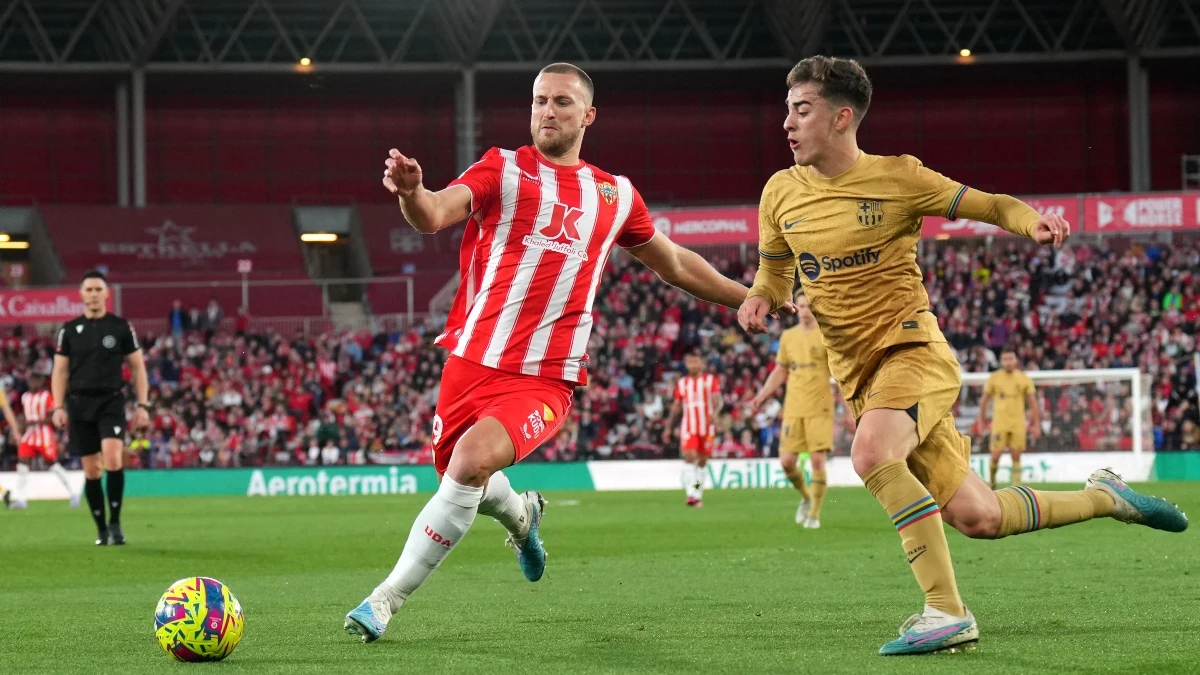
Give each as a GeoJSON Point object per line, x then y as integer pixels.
{"type": "Point", "coordinates": [1051, 229]}
{"type": "Point", "coordinates": [402, 176]}
{"type": "Point", "coordinates": [752, 315]}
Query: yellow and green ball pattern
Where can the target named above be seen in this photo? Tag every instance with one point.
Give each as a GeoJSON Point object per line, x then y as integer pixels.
{"type": "Point", "coordinates": [198, 619]}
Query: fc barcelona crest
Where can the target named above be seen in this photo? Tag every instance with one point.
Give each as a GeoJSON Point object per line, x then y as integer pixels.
{"type": "Point", "coordinates": [608, 191]}
{"type": "Point", "coordinates": [870, 213]}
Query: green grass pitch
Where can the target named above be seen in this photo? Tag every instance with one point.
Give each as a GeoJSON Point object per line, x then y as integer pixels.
{"type": "Point", "coordinates": [636, 583]}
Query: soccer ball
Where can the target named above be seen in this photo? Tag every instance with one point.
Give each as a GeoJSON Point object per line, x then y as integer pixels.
{"type": "Point", "coordinates": [198, 619]}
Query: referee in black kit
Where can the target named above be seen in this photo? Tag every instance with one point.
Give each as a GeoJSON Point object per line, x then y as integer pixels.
{"type": "Point", "coordinates": [87, 362]}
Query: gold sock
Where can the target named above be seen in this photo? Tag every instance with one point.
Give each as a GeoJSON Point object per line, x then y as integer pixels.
{"type": "Point", "coordinates": [818, 494]}
{"type": "Point", "coordinates": [919, 521]}
{"type": "Point", "coordinates": [1024, 510]}
{"type": "Point", "coordinates": [1016, 471]}
{"type": "Point", "coordinates": [797, 478]}
{"type": "Point", "coordinates": [994, 466]}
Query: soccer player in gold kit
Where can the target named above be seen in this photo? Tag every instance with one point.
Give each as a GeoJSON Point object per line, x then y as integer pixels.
{"type": "Point", "coordinates": [1011, 390]}
{"type": "Point", "coordinates": [851, 221]}
{"type": "Point", "coordinates": [807, 409]}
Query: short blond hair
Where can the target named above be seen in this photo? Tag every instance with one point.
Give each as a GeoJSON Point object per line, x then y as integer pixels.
{"type": "Point", "coordinates": [563, 68]}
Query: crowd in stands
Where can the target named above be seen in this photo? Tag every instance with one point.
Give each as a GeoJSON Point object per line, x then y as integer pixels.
{"type": "Point", "coordinates": [246, 399]}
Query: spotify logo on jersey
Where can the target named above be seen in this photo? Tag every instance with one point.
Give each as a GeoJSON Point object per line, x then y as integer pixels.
{"type": "Point", "coordinates": [812, 267]}
{"type": "Point", "coordinates": [809, 266]}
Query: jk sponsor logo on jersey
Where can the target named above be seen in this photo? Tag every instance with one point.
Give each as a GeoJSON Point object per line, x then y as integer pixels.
{"type": "Point", "coordinates": [561, 235]}
{"type": "Point", "coordinates": [812, 267]}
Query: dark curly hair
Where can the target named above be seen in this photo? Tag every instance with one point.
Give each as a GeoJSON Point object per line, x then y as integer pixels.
{"type": "Point", "coordinates": [843, 81]}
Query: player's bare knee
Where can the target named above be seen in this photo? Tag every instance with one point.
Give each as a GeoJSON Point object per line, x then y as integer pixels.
{"type": "Point", "coordinates": [883, 434]}
{"type": "Point", "coordinates": [818, 461]}
{"type": "Point", "coordinates": [866, 456]}
{"type": "Point", "coordinates": [475, 460]}
{"type": "Point", "coordinates": [788, 462]}
{"type": "Point", "coordinates": [979, 521]}
{"type": "Point", "coordinates": [471, 468]}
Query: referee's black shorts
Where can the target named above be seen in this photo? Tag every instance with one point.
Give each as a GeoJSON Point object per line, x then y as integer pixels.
{"type": "Point", "coordinates": [92, 418]}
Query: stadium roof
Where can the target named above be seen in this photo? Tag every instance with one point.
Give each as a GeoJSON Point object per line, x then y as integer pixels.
{"type": "Point", "coordinates": [445, 35]}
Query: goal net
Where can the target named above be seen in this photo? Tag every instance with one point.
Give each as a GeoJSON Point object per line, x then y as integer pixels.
{"type": "Point", "coordinates": [1082, 411]}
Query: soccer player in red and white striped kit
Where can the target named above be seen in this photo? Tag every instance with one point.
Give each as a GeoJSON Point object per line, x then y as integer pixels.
{"type": "Point", "coordinates": [540, 225]}
{"type": "Point", "coordinates": [39, 439]}
{"type": "Point", "coordinates": [697, 402]}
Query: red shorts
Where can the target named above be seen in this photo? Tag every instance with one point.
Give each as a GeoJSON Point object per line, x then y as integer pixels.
{"type": "Point", "coordinates": [532, 409]}
{"type": "Point", "coordinates": [701, 444]}
{"type": "Point", "coordinates": [48, 453]}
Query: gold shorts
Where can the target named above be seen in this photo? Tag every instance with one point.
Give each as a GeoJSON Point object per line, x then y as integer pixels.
{"type": "Point", "coordinates": [1008, 437]}
{"type": "Point", "coordinates": [807, 434]}
{"type": "Point", "coordinates": [923, 379]}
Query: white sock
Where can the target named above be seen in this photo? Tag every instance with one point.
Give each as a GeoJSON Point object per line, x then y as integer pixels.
{"type": "Point", "coordinates": [501, 502]}
{"type": "Point", "coordinates": [58, 470]}
{"type": "Point", "coordinates": [698, 484]}
{"type": "Point", "coordinates": [22, 481]}
{"type": "Point", "coordinates": [438, 529]}
{"type": "Point", "coordinates": [688, 478]}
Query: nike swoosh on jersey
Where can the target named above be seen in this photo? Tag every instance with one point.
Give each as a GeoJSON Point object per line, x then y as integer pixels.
{"type": "Point", "coordinates": [789, 225]}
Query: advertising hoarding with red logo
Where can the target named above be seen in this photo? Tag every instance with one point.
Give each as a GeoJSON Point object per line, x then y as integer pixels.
{"type": "Point", "coordinates": [41, 305]}
{"type": "Point", "coordinates": [697, 227]}
{"type": "Point", "coordinates": [1134, 213]}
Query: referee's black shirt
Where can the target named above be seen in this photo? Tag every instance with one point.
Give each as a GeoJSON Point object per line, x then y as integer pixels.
{"type": "Point", "coordinates": [97, 349]}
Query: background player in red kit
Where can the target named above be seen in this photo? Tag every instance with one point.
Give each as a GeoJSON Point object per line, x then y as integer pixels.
{"type": "Point", "coordinates": [39, 440]}
{"type": "Point", "coordinates": [698, 399]}
{"type": "Point", "coordinates": [540, 226]}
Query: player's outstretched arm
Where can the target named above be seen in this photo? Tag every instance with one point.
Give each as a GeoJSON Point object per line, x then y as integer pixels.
{"type": "Point", "coordinates": [933, 194]}
{"type": "Point", "coordinates": [1015, 216]}
{"type": "Point", "coordinates": [776, 274]}
{"type": "Point", "coordinates": [688, 272]}
{"type": "Point", "coordinates": [427, 211]}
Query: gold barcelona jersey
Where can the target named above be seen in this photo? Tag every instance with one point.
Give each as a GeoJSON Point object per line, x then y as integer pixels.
{"type": "Point", "coordinates": [1008, 392]}
{"type": "Point", "coordinates": [854, 239]}
{"type": "Point", "coordinates": [803, 353]}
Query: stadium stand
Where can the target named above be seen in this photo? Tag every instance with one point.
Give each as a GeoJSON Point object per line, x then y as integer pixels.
{"type": "Point", "coordinates": [352, 397]}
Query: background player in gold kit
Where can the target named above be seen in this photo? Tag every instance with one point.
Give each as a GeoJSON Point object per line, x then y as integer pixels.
{"type": "Point", "coordinates": [807, 409]}
{"type": "Point", "coordinates": [1011, 390]}
{"type": "Point", "coordinates": [850, 221]}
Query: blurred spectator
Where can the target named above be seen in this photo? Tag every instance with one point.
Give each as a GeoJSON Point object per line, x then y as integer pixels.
{"type": "Point", "coordinates": [213, 315]}
{"type": "Point", "coordinates": [178, 321]}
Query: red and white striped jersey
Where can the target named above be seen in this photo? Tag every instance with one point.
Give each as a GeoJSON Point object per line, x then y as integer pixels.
{"type": "Point", "coordinates": [696, 392]}
{"type": "Point", "coordinates": [532, 255]}
{"type": "Point", "coordinates": [37, 407]}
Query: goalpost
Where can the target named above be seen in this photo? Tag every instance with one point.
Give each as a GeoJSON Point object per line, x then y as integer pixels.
{"type": "Point", "coordinates": [1086, 410]}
